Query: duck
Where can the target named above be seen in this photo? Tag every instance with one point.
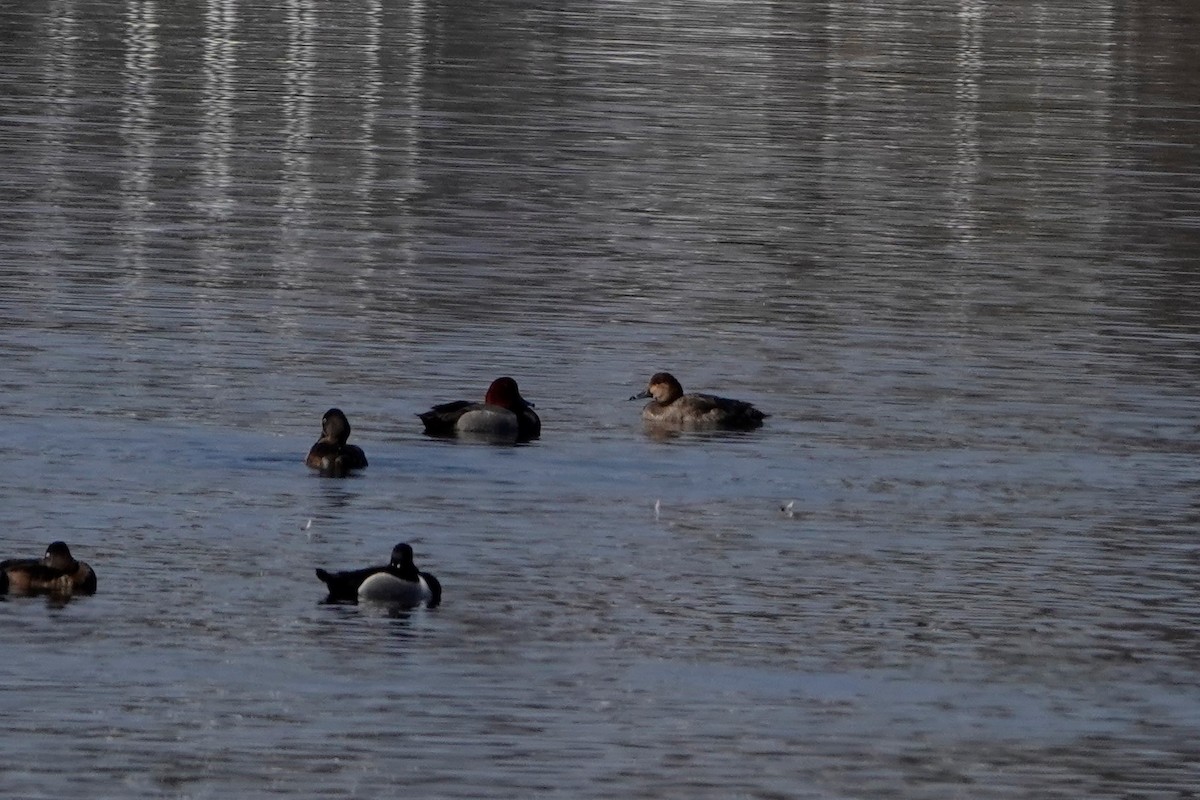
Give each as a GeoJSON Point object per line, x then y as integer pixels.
{"type": "Point", "coordinates": [331, 455]}
{"type": "Point", "coordinates": [670, 407]}
{"type": "Point", "coordinates": [504, 414]}
{"type": "Point", "coordinates": [398, 582]}
{"type": "Point", "coordinates": [57, 572]}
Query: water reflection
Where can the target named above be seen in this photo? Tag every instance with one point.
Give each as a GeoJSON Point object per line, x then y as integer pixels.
{"type": "Point", "coordinates": [406, 181]}
{"type": "Point", "coordinates": [969, 68]}
{"type": "Point", "coordinates": [59, 69]}
{"type": "Point", "coordinates": [1063, 74]}
{"type": "Point", "coordinates": [139, 131]}
{"type": "Point", "coordinates": [296, 188]}
{"type": "Point", "coordinates": [217, 130]}
{"type": "Point", "coordinates": [334, 492]}
{"type": "Point", "coordinates": [51, 600]}
{"type": "Point", "coordinates": [402, 615]}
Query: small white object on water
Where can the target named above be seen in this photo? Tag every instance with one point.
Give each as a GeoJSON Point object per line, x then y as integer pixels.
{"type": "Point", "coordinates": [657, 508]}
{"type": "Point", "coordinates": [306, 525]}
{"type": "Point", "coordinates": [788, 509]}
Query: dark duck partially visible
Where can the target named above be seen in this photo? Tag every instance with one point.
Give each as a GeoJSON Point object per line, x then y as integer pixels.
{"type": "Point", "coordinates": [331, 454]}
{"type": "Point", "coordinates": [57, 572]}
{"type": "Point", "coordinates": [399, 582]}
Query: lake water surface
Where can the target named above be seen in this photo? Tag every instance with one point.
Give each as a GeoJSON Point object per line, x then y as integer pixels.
{"type": "Point", "coordinates": [950, 247]}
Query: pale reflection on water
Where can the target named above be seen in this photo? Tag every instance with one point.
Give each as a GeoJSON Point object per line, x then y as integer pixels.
{"type": "Point", "coordinates": [950, 248]}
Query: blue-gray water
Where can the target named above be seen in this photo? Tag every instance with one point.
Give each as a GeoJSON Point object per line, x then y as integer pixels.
{"type": "Point", "coordinates": [949, 246]}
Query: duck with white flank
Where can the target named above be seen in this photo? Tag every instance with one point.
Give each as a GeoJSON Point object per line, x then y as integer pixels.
{"type": "Point", "coordinates": [504, 415]}
{"type": "Point", "coordinates": [398, 582]}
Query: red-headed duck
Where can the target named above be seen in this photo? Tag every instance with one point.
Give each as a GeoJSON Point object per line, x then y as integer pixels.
{"type": "Point", "coordinates": [671, 408]}
{"type": "Point", "coordinates": [57, 572]}
{"type": "Point", "coordinates": [331, 454]}
{"type": "Point", "coordinates": [398, 582]}
{"type": "Point", "coordinates": [503, 414]}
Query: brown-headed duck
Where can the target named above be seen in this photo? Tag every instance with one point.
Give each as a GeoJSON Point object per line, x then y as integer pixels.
{"type": "Point", "coordinates": [331, 454]}
{"type": "Point", "coordinates": [398, 582]}
{"type": "Point", "coordinates": [503, 415]}
{"type": "Point", "coordinates": [671, 408]}
{"type": "Point", "coordinates": [57, 572]}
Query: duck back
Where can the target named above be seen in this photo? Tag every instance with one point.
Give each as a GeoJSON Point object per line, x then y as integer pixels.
{"type": "Point", "coordinates": [336, 459]}
{"type": "Point", "coordinates": [704, 411]}
{"type": "Point", "coordinates": [343, 586]}
{"type": "Point", "coordinates": [442, 419]}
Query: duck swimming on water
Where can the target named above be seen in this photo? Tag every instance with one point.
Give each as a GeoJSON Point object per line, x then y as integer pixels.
{"type": "Point", "coordinates": [503, 415]}
{"type": "Point", "coordinates": [399, 582]}
{"type": "Point", "coordinates": [671, 408]}
{"type": "Point", "coordinates": [57, 572]}
{"type": "Point", "coordinates": [331, 454]}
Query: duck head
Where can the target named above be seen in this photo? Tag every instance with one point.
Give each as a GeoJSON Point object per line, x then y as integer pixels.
{"type": "Point", "coordinates": [58, 556]}
{"type": "Point", "coordinates": [504, 393]}
{"type": "Point", "coordinates": [662, 387]}
{"type": "Point", "coordinates": [334, 426]}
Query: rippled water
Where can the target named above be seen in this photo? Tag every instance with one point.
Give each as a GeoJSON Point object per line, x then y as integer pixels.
{"type": "Point", "coordinates": [949, 247]}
